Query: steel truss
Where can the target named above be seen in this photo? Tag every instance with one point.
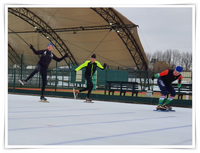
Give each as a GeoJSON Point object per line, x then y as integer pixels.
{"type": "Point", "coordinates": [35, 21]}
{"type": "Point", "coordinates": [13, 56]}
{"type": "Point", "coordinates": [125, 34]}
{"type": "Point", "coordinates": [76, 29]}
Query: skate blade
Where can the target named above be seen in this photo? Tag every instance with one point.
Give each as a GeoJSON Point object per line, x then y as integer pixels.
{"type": "Point", "coordinates": [74, 93]}
{"type": "Point", "coordinates": [21, 82]}
{"type": "Point", "coordinates": [44, 101]}
{"type": "Point", "coordinates": [158, 110]}
{"type": "Point", "coordinates": [88, 102]}
{"type": "Point", "coordinates": [171, 110]}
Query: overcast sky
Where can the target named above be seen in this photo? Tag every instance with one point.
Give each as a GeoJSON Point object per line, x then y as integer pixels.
{"type": "Point", "coordinates": [162, 28]}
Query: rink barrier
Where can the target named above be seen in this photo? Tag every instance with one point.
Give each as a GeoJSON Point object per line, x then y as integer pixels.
{"type": "Point", "coordinates": [66, 78]}
{"type": "Point", "coordinates": [112, 98]}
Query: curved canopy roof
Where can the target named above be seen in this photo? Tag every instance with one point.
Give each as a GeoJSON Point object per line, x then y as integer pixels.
{"type": "Point", "coordinates": [80, 32]}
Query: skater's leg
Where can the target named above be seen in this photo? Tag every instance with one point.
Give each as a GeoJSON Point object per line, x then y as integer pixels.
{"type": "Point", "coordinates": [90, 90]}
{"type": "Point", "coordinates": [87, 88]}
{"type": "Point", "coordinates": [37, 69]}
{"type": "Point", "coordinates": [84, 89]}
{"type": "Point", "coordinates": [43, 73]}
{"type": "Point", "coordinates": [161, 99]}
{"type": "Point", "coordinates": [89, 85]}
{"type": "Point", "coordinates": [171, 90]}
{"type": "Point", "coordinates": [163, 91]}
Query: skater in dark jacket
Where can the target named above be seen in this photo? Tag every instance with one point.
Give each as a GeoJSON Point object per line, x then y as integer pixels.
{"type": "Point", "coordinates": [164, 81]}
{"type": "Point", "coordinates": [42, 66]}
{"type": "Point", "coordinates": [90, 66]}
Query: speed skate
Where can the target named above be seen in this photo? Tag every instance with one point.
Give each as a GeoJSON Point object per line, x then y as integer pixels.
{"type": "Point", "coordinates": [45, 101]}
{"type": "Point", "coordinates": [167, 110]}
{"type": "Point", "coordinates": [74, 93]}
{"type": "Point", "coordinates": [88, 101]}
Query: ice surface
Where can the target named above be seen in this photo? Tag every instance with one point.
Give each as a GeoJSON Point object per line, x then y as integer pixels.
{"type": "Point", "coordinates": [72, 122]}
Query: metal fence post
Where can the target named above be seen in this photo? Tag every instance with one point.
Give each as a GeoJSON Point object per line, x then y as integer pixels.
{"type": "Point", "coordinates": [39, 80]}
{"type": "Point", "coordinates": [62, 77]}
{"type": "Point", "coordinates": [135, 75]}
{"type": "Point", "coordinates": [14, 77]}
{"type": "Point", "coordinates": [105, 87]}
{"type": "Point", "coordinates": [21, 67]}
{"type": "Point", "coordinates": [56, 76]}
{"type": "Point", "coordinates": [148, 80]}
{"type": "Point", "coordinates": [69, 74]}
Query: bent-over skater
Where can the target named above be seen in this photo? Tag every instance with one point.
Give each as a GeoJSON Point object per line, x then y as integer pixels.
{"type": "Point", "coordinates": [164, 81]}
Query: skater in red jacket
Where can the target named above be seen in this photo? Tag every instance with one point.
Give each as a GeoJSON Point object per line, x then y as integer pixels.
{"type": "Point", "coordinates": [164, 81]}
{"type": "Point", "coordinates": [42, 66]}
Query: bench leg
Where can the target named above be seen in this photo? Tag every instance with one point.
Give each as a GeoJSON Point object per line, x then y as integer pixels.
{"type": "Point", "coordinates": [136, 94]}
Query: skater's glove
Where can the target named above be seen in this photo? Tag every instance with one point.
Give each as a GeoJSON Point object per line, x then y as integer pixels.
{"type": "Point", "coordinates": [104, 65]}
{"type": "Point", "coordinates": [66, 55]}
{"type": "Point", "coordinates": [155, 76]}
{"type": "Point", "coordinates": [75, 71]}
{"type": "Point", "coordinates": [179, 85]}
{"type": "Point", "coordinates": [31, 47]}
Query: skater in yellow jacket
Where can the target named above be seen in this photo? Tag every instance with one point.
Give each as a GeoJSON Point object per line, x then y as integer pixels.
{"type": "Point", "coordinates": [90, 66]}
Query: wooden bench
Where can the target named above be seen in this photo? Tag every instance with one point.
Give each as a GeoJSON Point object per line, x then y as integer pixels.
{"type": "Point", "coordinates": [186, 89]}
{"type": "Point", "coordinates": [123, 87]}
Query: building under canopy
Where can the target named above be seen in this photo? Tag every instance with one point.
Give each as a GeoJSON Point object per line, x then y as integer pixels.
{"type": "Point", "coordinates": [79, 32]}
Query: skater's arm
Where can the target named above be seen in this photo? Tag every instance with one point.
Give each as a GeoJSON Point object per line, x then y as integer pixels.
{"type": "Point", "coordinates": [82, 66]}
{"type": "Point", "coordinates": [59, 59]}
{"type": "Point", "coordinates": [180, 78]}
{"type": "Point", "coordinates": [37, 52]}
{"type": "Point", "coordinates": [100, 66]}
{"type": "Point", "coordinates": [164, 73]}
{"type": "Point", "coordinates": [161, 74]}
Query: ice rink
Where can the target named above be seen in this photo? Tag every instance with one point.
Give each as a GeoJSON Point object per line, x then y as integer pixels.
{"type": "Point", "coordinates": [72, 122]}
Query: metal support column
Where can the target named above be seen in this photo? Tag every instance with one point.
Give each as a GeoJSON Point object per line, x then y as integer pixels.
{"type": "Point", "coordinates": [56, 77]}
{"type": "Point", "coordinates": [21, 68]}
{"type": "Point", "coordinates": [14, 78]}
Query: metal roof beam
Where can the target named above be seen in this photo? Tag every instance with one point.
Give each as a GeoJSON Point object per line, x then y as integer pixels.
{"type": "Point", "coordinates": [35, 21]}
{"type": "Point", "coordinates": [13, 56]}
{"type": "Point", "coordinates": [76, 29]}
{"type": "Point", "coordinates": [125, 34]}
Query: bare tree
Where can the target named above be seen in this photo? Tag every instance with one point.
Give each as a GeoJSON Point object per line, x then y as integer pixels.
{"type": "Point", "coordinates": [176, 58]}
{"type": "Point", "coordinates": [172, 58]}
{"type": "Point", "coordinates": [149, 56]}
{"type": "Point", "coordinates": [167, 55]}
{"type": "Point", "coordinates": [161, 66]}
{"type": "Point", "coordinates": [186, 61]}
{"type": "Point", "coordinates": [190, 60]}
{"type": "Point", "coordinates": [158, 55]}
